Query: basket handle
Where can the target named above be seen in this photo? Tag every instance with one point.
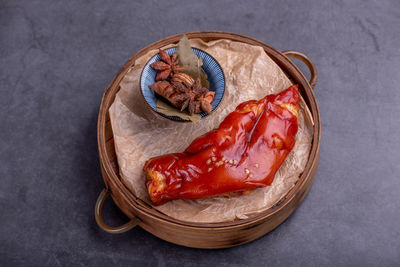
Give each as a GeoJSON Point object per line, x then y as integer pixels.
{"type": "Point", "coordinates": [99, 218]}
{"type": "Point", "coordinates": [306, 60]}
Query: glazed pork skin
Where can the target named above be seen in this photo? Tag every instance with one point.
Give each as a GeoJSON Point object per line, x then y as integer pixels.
{"type": "Point", "coordinates": [244, 153]}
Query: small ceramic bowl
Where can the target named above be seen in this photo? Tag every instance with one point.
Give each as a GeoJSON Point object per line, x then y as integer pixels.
{"type": "Point", "coordinates": [215, 77]}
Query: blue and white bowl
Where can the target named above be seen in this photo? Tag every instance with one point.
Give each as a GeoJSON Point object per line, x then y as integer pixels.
{"type": "Point", "coordinates": [215, 77]}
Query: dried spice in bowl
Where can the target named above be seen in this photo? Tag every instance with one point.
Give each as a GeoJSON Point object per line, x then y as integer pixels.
{"type": "Point", "coordinates": [182, 81]}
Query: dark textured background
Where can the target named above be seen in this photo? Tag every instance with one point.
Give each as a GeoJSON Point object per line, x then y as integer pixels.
{"type": "Point", "coordinates": [56, 58]}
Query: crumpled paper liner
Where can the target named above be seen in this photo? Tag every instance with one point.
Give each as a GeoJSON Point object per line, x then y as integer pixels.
{"type": "Point", "coordinates": [139, 134]}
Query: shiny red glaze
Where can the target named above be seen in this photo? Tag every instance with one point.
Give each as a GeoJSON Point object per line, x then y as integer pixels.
{"type": "Point", "coordinates": [252, 142]}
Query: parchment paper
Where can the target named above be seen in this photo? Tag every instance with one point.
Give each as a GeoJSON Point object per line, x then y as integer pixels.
{"type": "Point", "coordinates": [139, 134]}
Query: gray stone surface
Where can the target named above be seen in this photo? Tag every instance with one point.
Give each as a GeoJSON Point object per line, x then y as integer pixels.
{"type": "Point", "coordinates": [56, 57]}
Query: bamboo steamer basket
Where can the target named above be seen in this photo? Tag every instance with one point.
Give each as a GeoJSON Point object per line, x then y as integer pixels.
{"type": "Point", "coordinates": [203, 235]}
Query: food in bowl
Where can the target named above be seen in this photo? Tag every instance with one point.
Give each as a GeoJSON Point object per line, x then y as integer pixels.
{"type": "Point", "coordinates": [243, 154]}
{"type": "Point", "coordinates": [182, 83]}
{"type": "Point", "coordinates": [181, 80]}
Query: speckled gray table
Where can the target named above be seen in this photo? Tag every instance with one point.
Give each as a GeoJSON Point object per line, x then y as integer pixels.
{"type": "Point", "coordinates": [56, 57]}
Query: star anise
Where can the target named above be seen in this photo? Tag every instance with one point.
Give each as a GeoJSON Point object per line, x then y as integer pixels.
{"type": "Point", "coordinates": [167, 66]}
{"type": "Point", "coordinates": [196, 99]}
{"type": "Point", "coordinates": [184, 92]}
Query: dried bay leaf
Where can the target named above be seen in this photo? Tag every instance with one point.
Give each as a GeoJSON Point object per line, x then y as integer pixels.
{"type": "Point", "coordinates": [168, 110]}
{"type": "Point", "coordinates": [192, 63]}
